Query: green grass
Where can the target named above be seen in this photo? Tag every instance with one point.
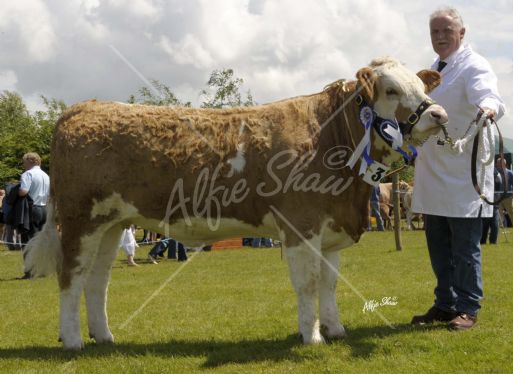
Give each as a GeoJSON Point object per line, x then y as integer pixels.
{"type": "Point", "coordinates": [234, 311]}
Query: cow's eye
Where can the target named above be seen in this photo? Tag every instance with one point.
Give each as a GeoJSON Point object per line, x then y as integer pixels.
{"type": "Point", "coordinates": [391, 91]}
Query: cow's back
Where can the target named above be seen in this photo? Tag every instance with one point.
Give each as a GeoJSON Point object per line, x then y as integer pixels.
{"type": "Point", "coordinates": [140, 152]}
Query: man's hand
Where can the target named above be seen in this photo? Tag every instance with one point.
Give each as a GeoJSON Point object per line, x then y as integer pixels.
{"type": "Point", "coordinates": [489, 113]}
{"type": "Point", "coordinates": [22, 192]}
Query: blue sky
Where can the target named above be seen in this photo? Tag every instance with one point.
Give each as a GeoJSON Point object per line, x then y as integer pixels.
{"type": "Point", "coordinates": [281, 48]}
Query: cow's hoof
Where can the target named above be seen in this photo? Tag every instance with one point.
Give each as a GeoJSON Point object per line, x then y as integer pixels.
{"type": "Point", "coordinates": [106, 338]}
{"type": "Point", "coordinates": [316, 338]}
{"type": "Point", "coordinates": [74, 346]}
{"type": "Point", "coordinates": [333, 333]}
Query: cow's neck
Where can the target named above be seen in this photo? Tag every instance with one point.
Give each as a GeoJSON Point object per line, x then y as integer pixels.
{"type": "Point", "coordinates": [345, 129]}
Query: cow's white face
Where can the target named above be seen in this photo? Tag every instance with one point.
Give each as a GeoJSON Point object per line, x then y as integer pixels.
{"type": "Point", "coordinates": [397, 93]}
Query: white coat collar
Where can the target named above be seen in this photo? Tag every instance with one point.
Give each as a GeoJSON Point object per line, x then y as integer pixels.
{"type": "Point", "coordinates": [454, 59]}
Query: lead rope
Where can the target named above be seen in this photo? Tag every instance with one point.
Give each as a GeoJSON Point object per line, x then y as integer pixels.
{"type": "Point", "coordinates": [476, 131]}
{"type": "Point", "coordinates": [486, 126]}
{"type": "Point", "coordinates": [486, 132]}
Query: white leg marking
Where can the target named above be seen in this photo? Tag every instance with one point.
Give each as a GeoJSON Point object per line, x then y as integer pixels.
{"type": "Point", "coordinates": [327, 295]}
{"type": "Point", "coordinates": [70, 314]}
{"type": "Point", "coordinates": [96, 287]}
{"type": "Point", "coordinates": [89, 246]}
{"type": "Point", "coordinates": [304, 269]}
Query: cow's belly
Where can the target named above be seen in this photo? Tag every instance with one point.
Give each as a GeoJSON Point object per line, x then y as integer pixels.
{"type": "Point", "coordinates": [200, 231]}
{"type": "Point", "coordinates": [193, 232]}
{"type": "Point", "coordinates": [333, 241]}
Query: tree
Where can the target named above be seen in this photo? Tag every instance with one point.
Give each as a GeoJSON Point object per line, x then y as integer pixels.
{"type": "Point", "coordinates": [160, 95]}
{"type": "Point", "coordinates": [226, 91]}
{"type": "Point", "coordinates": [15, 131]}
{"type": "Point", "coordinates": [45, 122]}
{"type": "Point", "coordinates": [21, 132]}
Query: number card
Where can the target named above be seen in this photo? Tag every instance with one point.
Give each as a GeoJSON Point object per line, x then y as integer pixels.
{"type": "Point", "coordinates": [375, 172]}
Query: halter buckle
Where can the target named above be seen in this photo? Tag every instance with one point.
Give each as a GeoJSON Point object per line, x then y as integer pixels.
{"type": "Point", "coordinates": [413, 118]}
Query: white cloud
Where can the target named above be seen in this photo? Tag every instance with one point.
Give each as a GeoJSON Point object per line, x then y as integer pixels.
{"type": "Point", "coordinates": [89, 6]}
{"type": "Point", "coordinates": [189, 51]}
{"type": "Point", "coordinates": [8, 80]}
{"type": "Point", "coordinates": [30, 22]}
{"type": "Point", "coordinates": [147, 10]}
{"type": "Point", "coordinates": [34, 102]}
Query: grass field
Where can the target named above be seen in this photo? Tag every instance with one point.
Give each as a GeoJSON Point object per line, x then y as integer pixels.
{"type": "Point", "coordinates": [235, 312]}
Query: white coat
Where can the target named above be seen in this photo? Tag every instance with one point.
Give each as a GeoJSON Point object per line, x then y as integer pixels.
{"type": "Point", "coordinates": [443, 184]}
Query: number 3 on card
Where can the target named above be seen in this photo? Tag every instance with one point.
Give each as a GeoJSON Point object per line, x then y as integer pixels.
{"type": "Point", "coordinates": [375, 172]}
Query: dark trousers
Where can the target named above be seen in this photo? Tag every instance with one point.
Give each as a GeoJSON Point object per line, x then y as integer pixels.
{"type": "Point", "coordinates": [491, 224]}
{"type": "Point", "coordinates": [173, 247]}
{"type": "Point", "coordinates": [37, 221]}
{"type": "Point", "coordinates": [455, 253]}
{"type": "Point", "coordinates": [159, 248]}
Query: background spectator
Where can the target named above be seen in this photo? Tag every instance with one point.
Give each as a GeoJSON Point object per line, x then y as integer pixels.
{"type": "Point", "coordinates": [491, 224]}
{"type": "Point", "coordinates": [374, 209]}
{"type": "Point", "coordinates": [128, 244]}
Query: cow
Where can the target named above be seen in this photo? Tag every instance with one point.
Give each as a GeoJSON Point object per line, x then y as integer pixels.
{"type": "Point", "coordinates": [274, 170]}
{"type": "Point", "coordinates": [386, 202]}
{"type": "Point", "coordinates": [406, 191]}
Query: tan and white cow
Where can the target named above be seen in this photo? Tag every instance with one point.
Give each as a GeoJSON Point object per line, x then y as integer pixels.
{"type": "Point", "coordinates": [206, 175]}
{"type": "Point", "coordinates": [386, 202]}
{"type": "Point", "coordinates": [407, 201]}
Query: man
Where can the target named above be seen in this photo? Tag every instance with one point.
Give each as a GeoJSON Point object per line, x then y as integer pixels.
{"type": "Point", "coordinates": [35, 184]}
{"type": "Point", "coordinates": [443, 189]}
{"type": "Point", "coordinates": [374, 207]}
{"type": "Point", "coordinates": [507, 203]}
{"type": "Point", "coordinates": [491, 224]}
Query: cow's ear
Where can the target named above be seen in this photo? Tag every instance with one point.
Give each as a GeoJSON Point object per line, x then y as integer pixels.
{"type": "Point", "coordinates": [367, 79]}
{"type": "Point", "coordinates": [431, 79]}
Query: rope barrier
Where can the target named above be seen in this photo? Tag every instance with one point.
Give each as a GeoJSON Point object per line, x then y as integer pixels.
{"type": "Point", "coordinates": [12, 243]}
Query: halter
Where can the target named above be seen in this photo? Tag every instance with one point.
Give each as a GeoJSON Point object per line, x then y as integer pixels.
{"type": "Point", "coordinates": [414, 118]}
{"type": "Point", "coordinates": [392, 131]}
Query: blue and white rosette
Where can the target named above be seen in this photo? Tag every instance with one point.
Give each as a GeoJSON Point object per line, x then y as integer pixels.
{"type": "Point", "coordinates": [366, 118]}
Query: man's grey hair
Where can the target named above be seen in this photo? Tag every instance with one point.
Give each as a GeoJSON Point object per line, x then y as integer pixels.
{"type": "Point", "coordinates": [447, 11]}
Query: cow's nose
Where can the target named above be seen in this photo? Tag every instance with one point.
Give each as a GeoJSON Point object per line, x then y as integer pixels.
{"type": "Point", "coordinates": [439, 115]}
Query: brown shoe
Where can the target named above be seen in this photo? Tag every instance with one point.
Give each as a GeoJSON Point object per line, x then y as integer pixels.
{"type": "Point", "coordinates": [434, 314]}
{"type": "Point", "coordinates": [463, 321]}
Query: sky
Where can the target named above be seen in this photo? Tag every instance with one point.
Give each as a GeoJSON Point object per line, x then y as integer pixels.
{"type": "Point", "coordinates": [107, 49]}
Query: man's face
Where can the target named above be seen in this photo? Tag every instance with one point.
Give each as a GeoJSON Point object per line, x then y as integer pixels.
{"type": "Point", "coordinates": [446, 35]}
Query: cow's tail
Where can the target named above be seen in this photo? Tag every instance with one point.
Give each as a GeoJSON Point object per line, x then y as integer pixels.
{"type": "Point", "coordinates": [43, 254]}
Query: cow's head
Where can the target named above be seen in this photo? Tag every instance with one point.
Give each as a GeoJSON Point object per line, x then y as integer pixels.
{"type": "Point", "coordinates": [396, 92]}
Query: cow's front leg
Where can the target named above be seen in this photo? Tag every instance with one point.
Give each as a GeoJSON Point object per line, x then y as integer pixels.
{"type": "Point", "coordinates": [71, 290]}
{"type": "Point", "coordinates": [409, 219]}
{"type": "Point", "coordinates": [330, 322]}
{"type": "Point", "coordinates": [305, 267]}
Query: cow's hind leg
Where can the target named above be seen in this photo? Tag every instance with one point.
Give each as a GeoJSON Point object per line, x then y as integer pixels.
{"type": "Point", "coordinates": [77, 259]}
{"type": "Point", "coordinates": [304, 269]}
{"type": "Point", "coordinates": [96, 286]}
{"type": "Point", "coordinates": [330, 323]}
